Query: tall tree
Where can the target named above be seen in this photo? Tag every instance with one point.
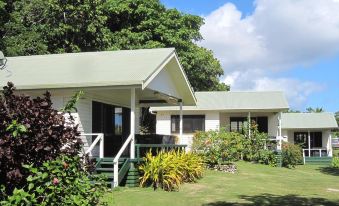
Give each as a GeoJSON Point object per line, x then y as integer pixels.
{"type": "Point", "coordinates": [57, 26]}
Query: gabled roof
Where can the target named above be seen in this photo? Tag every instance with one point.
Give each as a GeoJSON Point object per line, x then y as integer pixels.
{"type": "Point", "coordinates": [95, 69]}
{"type": "Point", "coordinates": [245, 101]}
{"type": "Point", "coordinates": [308, 121]}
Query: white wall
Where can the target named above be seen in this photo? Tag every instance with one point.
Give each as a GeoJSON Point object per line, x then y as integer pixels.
{"type": "Point", "coordinates": [83, 117]}
{"type": "Point", "coordinates": [163, 125]}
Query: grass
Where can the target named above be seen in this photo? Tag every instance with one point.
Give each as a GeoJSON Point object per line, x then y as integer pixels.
{"type": "Point", "coordinates": [253, 185]}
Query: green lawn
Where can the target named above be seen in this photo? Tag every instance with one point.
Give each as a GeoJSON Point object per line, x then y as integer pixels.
{"type": "Point", "coordinates": [253, 185]}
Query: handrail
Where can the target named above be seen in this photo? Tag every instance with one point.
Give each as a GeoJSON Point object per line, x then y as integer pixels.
{"type": "Point", "coordinates": [116, 160]}
{"type": "Point", "coordinates": [100, 137]}
{"type": "Point", "coordinates": [313, 149]}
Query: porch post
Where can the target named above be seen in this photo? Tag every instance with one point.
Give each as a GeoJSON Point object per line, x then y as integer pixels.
{"type": "Point", "coordinates": [181, 122]}
{"type": "Point", "coordinates": [249, 124]}
{"type": "Point", "coordinates": [132, 130]}
{"type": "Point", "coordinates": [309, 143]}
{"type": "Point", "coordinates": [280, 124]}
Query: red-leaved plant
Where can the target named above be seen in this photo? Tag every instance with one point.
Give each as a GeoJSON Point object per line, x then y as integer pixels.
{"type": "Point", "coordinates": [31, 132]}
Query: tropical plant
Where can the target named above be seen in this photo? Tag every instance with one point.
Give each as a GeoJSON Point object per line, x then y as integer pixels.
{"type": "Point", "coordinates": [58, 182]}
{"type": "Point", "coordinates": [291, 155]}
{"type": "Point", "coordinates": [31, 132]}
{"type": "Point", "coordinates": [218, 146]}
{"type": "Point", "coordinates": [168, 170]}
{"type": "Point", "coordinates": [314, 110]}
{"type": "Point", "coordinates": [254, 142]}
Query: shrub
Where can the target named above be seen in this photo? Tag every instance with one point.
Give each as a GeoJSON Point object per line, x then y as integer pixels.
{"type": "Point", "coordinates": [218, 146]}
{"type": "Point", "coordinates": [267, 157]}
{"type": "Point", "coordinates": [223, 147]}
{"type": "Point", "coordinates": [291, 155]}
{"type": "Point", "coordinates": [31, 132]}
{"type": "Point", "coordinates": [335, 162]}
{"type": "Point", "coordinates": [58, 182]}
{"type": "Point", "coordinates": [168, 170]}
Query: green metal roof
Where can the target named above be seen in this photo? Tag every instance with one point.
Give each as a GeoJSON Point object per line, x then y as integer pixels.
{"type": "Point", "coordinates": [245, 101]}
{"type": "Point", "coordinates": [88, 69]}
{"type": "Point", "coordinates": [308, 121]}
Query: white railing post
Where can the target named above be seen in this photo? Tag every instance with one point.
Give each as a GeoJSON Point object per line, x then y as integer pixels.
{"type": "Point", "coordinates": [132, 149]}
{"type": "Point", "coordinates": [100, 137]}
{"type": "Point", "coordinates": [101, 155]}
{"type": "Point", "coordinates": [304, 155]}
{"type": "Point", "coordinates": [116, 174]}
{"type": "Point", "coordinates": [320, 152]}
{"type": "Point", "coordinates": [116, 160]}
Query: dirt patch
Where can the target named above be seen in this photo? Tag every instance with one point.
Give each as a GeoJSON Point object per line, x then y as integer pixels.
{"type": "Point", "coordinates": [332, 190]}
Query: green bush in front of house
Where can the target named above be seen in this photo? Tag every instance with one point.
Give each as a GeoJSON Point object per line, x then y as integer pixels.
{"type": "Point", "coordinates": [167, 170]}
{"type": "Point", "coordinates": [63, 181]}
{"type": "Point", "coordinates": [219, 147]}
{"type": "Point", "coordinates": [291, 155]}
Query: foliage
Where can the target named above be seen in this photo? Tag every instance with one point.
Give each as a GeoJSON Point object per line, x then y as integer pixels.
{"type": "Point", "coordinates": [168, 170]}
{"type": "Point", "coordinates": [267, 157]}
{"type": "Point", "coordinates": [314, 110]}
{"type": "Point", "coordinates": [42, 27]}
{"type": "Point", "coordinates": [31, 132]}
{"type": "Point", "coordinates": [254, 143]}
{"type": "Point", "coordinates": [218, 146]}
{"type": "Point", "coordinates": [291, 155]}
{"type": "Point", "coordinates": [58, 182]}
{"type": "Point", "coordinates": [223, 146]}
{"type": "Point", "coordinates": [71, 104]}
{"type": "Point", "coordinates": [335, 162]}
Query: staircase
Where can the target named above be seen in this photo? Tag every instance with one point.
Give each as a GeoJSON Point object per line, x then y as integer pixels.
{"type": "Point", "coordinates": [324, 161]}
{"type": "Point", "coordinates": [128, 176]}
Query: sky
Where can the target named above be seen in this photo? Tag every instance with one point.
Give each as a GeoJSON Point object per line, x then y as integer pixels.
{"type": "Point", "coordinates": [286, 45]}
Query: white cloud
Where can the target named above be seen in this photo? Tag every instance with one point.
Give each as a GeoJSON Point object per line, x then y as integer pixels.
{"type": "Point", "coordinates": [278, 35]}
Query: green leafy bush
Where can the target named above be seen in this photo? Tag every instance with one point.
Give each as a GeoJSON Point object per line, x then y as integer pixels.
{"type": "Point", "coordinates": [335, 162]}
{"type": "Point", "coordinates": [224, 147]}
{"type": "Point", "coordinates": [291, 155]}
{"type": "Point", "coordinates": [58, 182]}
{"type": "Point", "coordinates": [218, 146]}
{"type": "Point", "coordinates": [254, 144]}
{"type": "Point", "coordinates": [267, 157]}
{"type": "Point", "coordinates": [168, 170]}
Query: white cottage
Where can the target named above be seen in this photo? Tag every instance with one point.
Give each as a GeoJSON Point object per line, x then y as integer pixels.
{"type": "Point", "coordinates": [232, 110]}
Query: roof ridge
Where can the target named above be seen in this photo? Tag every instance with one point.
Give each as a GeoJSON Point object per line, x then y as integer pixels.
{"type": "Point", "coordinates": [91, 52]}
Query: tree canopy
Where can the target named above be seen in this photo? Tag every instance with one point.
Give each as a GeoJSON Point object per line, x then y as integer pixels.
{"type": "Point", "coordinates": [54, 26]}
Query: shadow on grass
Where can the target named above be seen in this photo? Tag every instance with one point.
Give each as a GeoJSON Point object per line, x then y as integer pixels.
{"type": "Point", "coordinates": [329, 171]}
{"type": "Point", "coordinates": [270, 199]}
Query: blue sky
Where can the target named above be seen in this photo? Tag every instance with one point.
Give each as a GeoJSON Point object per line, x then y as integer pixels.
{"type": "Point", "coordinates": [270, 45]}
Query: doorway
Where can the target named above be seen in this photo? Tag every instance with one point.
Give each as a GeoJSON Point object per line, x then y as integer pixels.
{"type": "Point", "coordinates": [113, 122]}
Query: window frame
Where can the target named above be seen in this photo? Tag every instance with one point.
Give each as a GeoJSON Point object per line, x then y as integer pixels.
{"type": "Point", "coordinates": [175, 119]}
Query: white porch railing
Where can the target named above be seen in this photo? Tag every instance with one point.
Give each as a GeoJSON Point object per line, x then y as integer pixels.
{"type": "Point", "coordinates": [318, 149]}
{"type": "Point", "coordinates": [116, 160]}
{"type": "Point", "coordinates": [100, 137]}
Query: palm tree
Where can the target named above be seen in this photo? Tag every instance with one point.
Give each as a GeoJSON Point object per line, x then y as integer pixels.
{"type": "Point", "coordinates": [315, 110]}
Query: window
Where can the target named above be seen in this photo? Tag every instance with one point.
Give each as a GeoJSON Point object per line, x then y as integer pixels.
{"type": "Point", "coordinates": [191, 123]}
{"type": "Point", "coordinates": [238, 124]}
{"type": "Point", "coordinates": [118, 120]}
{"type": "Point", "coordinates": [301, 138]}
